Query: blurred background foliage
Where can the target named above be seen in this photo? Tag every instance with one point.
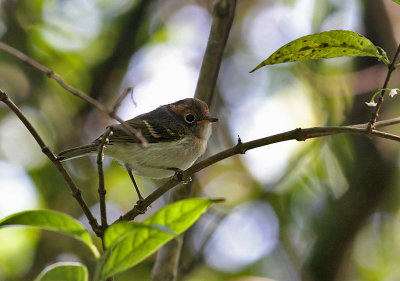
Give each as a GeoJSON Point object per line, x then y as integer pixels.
{"type": "Point", "coordinates": [323, 209]}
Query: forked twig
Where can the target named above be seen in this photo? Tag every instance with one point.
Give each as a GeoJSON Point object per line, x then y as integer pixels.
{"type": "Point", "coordinates": [76, 193]}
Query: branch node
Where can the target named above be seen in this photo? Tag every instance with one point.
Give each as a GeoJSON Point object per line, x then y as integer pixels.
{"type": "Point", "coordinates": [221, 8]}
{"type": "Point", "coordinates": [49, 73]}
{"type": "Point", "coordinates": [239, 147]}
{"type": "Point", "coordinates": [77, 193]}
{"type": "Point", "coordinates": [45, 149]}
{"type": "Point", "coordinates": [140, 207]}
{"type": "Point", "coordinates": [3, 96]}
{"type": "Point", "coordinates": [98, 230]}
{"type": "Point", "coordinates": [102, 191]}
{"type": "Point", "coordinates": [299, 135]}
{"type": "Point", "coordinates": [180, 176]}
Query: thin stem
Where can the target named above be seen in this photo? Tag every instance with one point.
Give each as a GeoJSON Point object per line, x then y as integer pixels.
{"type": "Point", "coordinates": [102, 191]}
{"type": "Point", "coordinates": [380, 124]}
{"type": "Point", "coordinates": [140, 197]}
{"type": "Point", "coordinates": [76, 193]}
{"type": "Point", "coordinates": [120, 99]}
{"type": "Point", "coordinates": [391, 68]}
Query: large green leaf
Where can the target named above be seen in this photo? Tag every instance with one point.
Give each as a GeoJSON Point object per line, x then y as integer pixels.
{"type": "Point", "coordinates": [396, 1]}
{"type": "Point", "coordinates": [54, 221]}
{"type": "Point", "coordinates": [120, 230]}
{"type": "Point", "coordinates": [140, 242]}
{"type": "Point", "coordinates": [64, 271]}
{"type": "Point", "coordinates": [323, 45]}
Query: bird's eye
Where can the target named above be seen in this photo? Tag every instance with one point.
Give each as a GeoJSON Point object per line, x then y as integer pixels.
{"type": "Point", "coordinates": [189, 118]}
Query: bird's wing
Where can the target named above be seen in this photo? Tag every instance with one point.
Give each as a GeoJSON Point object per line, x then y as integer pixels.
{"type": "Point", "coordinates": [151, 131]}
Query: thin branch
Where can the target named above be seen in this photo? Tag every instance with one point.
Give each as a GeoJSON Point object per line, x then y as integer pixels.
{"type": "Point", "coordinates": [100, 157]}
{"type": "Point", "coordinates": [76, 193]}
{"type": "Point", "coordinates": [120, 99]}
{"type": "Point", "coordinates": [241, 148]}
{"type": "Point", "coordinates": [391, 68]}
{"type": "Point", "coordinates": [102, 191]}
{"type": "Point", "coordinates": [379, 124]}
{"type": "Point", "coordinates": [51, 74]}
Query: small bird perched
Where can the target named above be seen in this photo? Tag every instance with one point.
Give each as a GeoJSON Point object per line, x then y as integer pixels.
{"type": "Point", "coordinates": [177, 134]}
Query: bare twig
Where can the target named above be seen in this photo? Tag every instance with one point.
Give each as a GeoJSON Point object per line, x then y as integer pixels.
{"type": "Point", "coordinates": [391, 68]}
{"type": "Point", "coordinates": [76, 193]}
{"type": "Point", "coordinates": [380, 124]}
{"type": "Point", "coordinates": [120, 99]}
{"type": "Point", "coordinates": [51, 74]}
{"type": "Point", "coordinates": [102, 190]}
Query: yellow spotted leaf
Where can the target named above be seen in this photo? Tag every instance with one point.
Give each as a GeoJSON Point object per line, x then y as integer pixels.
{"type": "Point", "coordinates": [324, 45]}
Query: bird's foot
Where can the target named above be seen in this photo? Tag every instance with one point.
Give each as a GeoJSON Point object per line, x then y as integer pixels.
{"type": "Point", "coordinates": [140, 206]}
{"type": "Point", "coordinates": [180, 176]}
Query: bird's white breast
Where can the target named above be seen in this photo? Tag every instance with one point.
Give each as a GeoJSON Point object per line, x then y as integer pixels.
{"type": "Point", "coordinates": [159, 159]}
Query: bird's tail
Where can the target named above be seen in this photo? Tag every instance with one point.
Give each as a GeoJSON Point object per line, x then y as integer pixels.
{"type": "Point", "coordinates": [77, 152]}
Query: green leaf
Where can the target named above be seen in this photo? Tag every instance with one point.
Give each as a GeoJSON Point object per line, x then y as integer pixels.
{"type": "Point", "coordinates": [64, 271]}
{"type": "Point", "coordinates": [396, 1]}
{"type": "Point", "coordinates": [54, 221]}
{"type": "Point", "coordinates": [328, 44]}
{"type": "Point", "coordinates": [140, 242]}
{"type": "Point", "coordinates": [120, 230]}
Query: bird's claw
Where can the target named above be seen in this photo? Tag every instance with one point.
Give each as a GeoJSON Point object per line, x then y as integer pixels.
{"type": "Point", "coordinates": [140, 207]}
{"type": "Point", "coordinates": [180, 176]}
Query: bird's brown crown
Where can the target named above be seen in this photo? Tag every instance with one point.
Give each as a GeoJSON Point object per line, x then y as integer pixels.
{"type": "Point", "coordinates": [185, 107]}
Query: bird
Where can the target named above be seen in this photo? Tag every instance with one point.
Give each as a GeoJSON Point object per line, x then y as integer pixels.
{"type": "Point", "coordinates": [177, 135]}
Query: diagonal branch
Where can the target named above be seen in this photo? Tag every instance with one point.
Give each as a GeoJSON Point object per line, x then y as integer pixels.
{"type": "Point", "coordinates": [76, 193]}
{"type": "Point", "coordinates": [51, 74]}
{"type": "Point", "coordinates": [120, 99]}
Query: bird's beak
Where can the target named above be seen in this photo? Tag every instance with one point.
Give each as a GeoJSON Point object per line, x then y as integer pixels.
{"type": "Point", "coordinates": [208, 119]}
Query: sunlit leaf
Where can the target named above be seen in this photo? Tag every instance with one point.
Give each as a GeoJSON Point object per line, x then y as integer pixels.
{"type": "Point", "coordinates": [118, 231]}
{"type": "Point", "coordinates": [328, 44]}
{"type": "Point", "coordinates": [140, 242]}
{"type": "Point", "coordinates": [54, 221]}
{"type": "Point", "coordinates": [64, 271]}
